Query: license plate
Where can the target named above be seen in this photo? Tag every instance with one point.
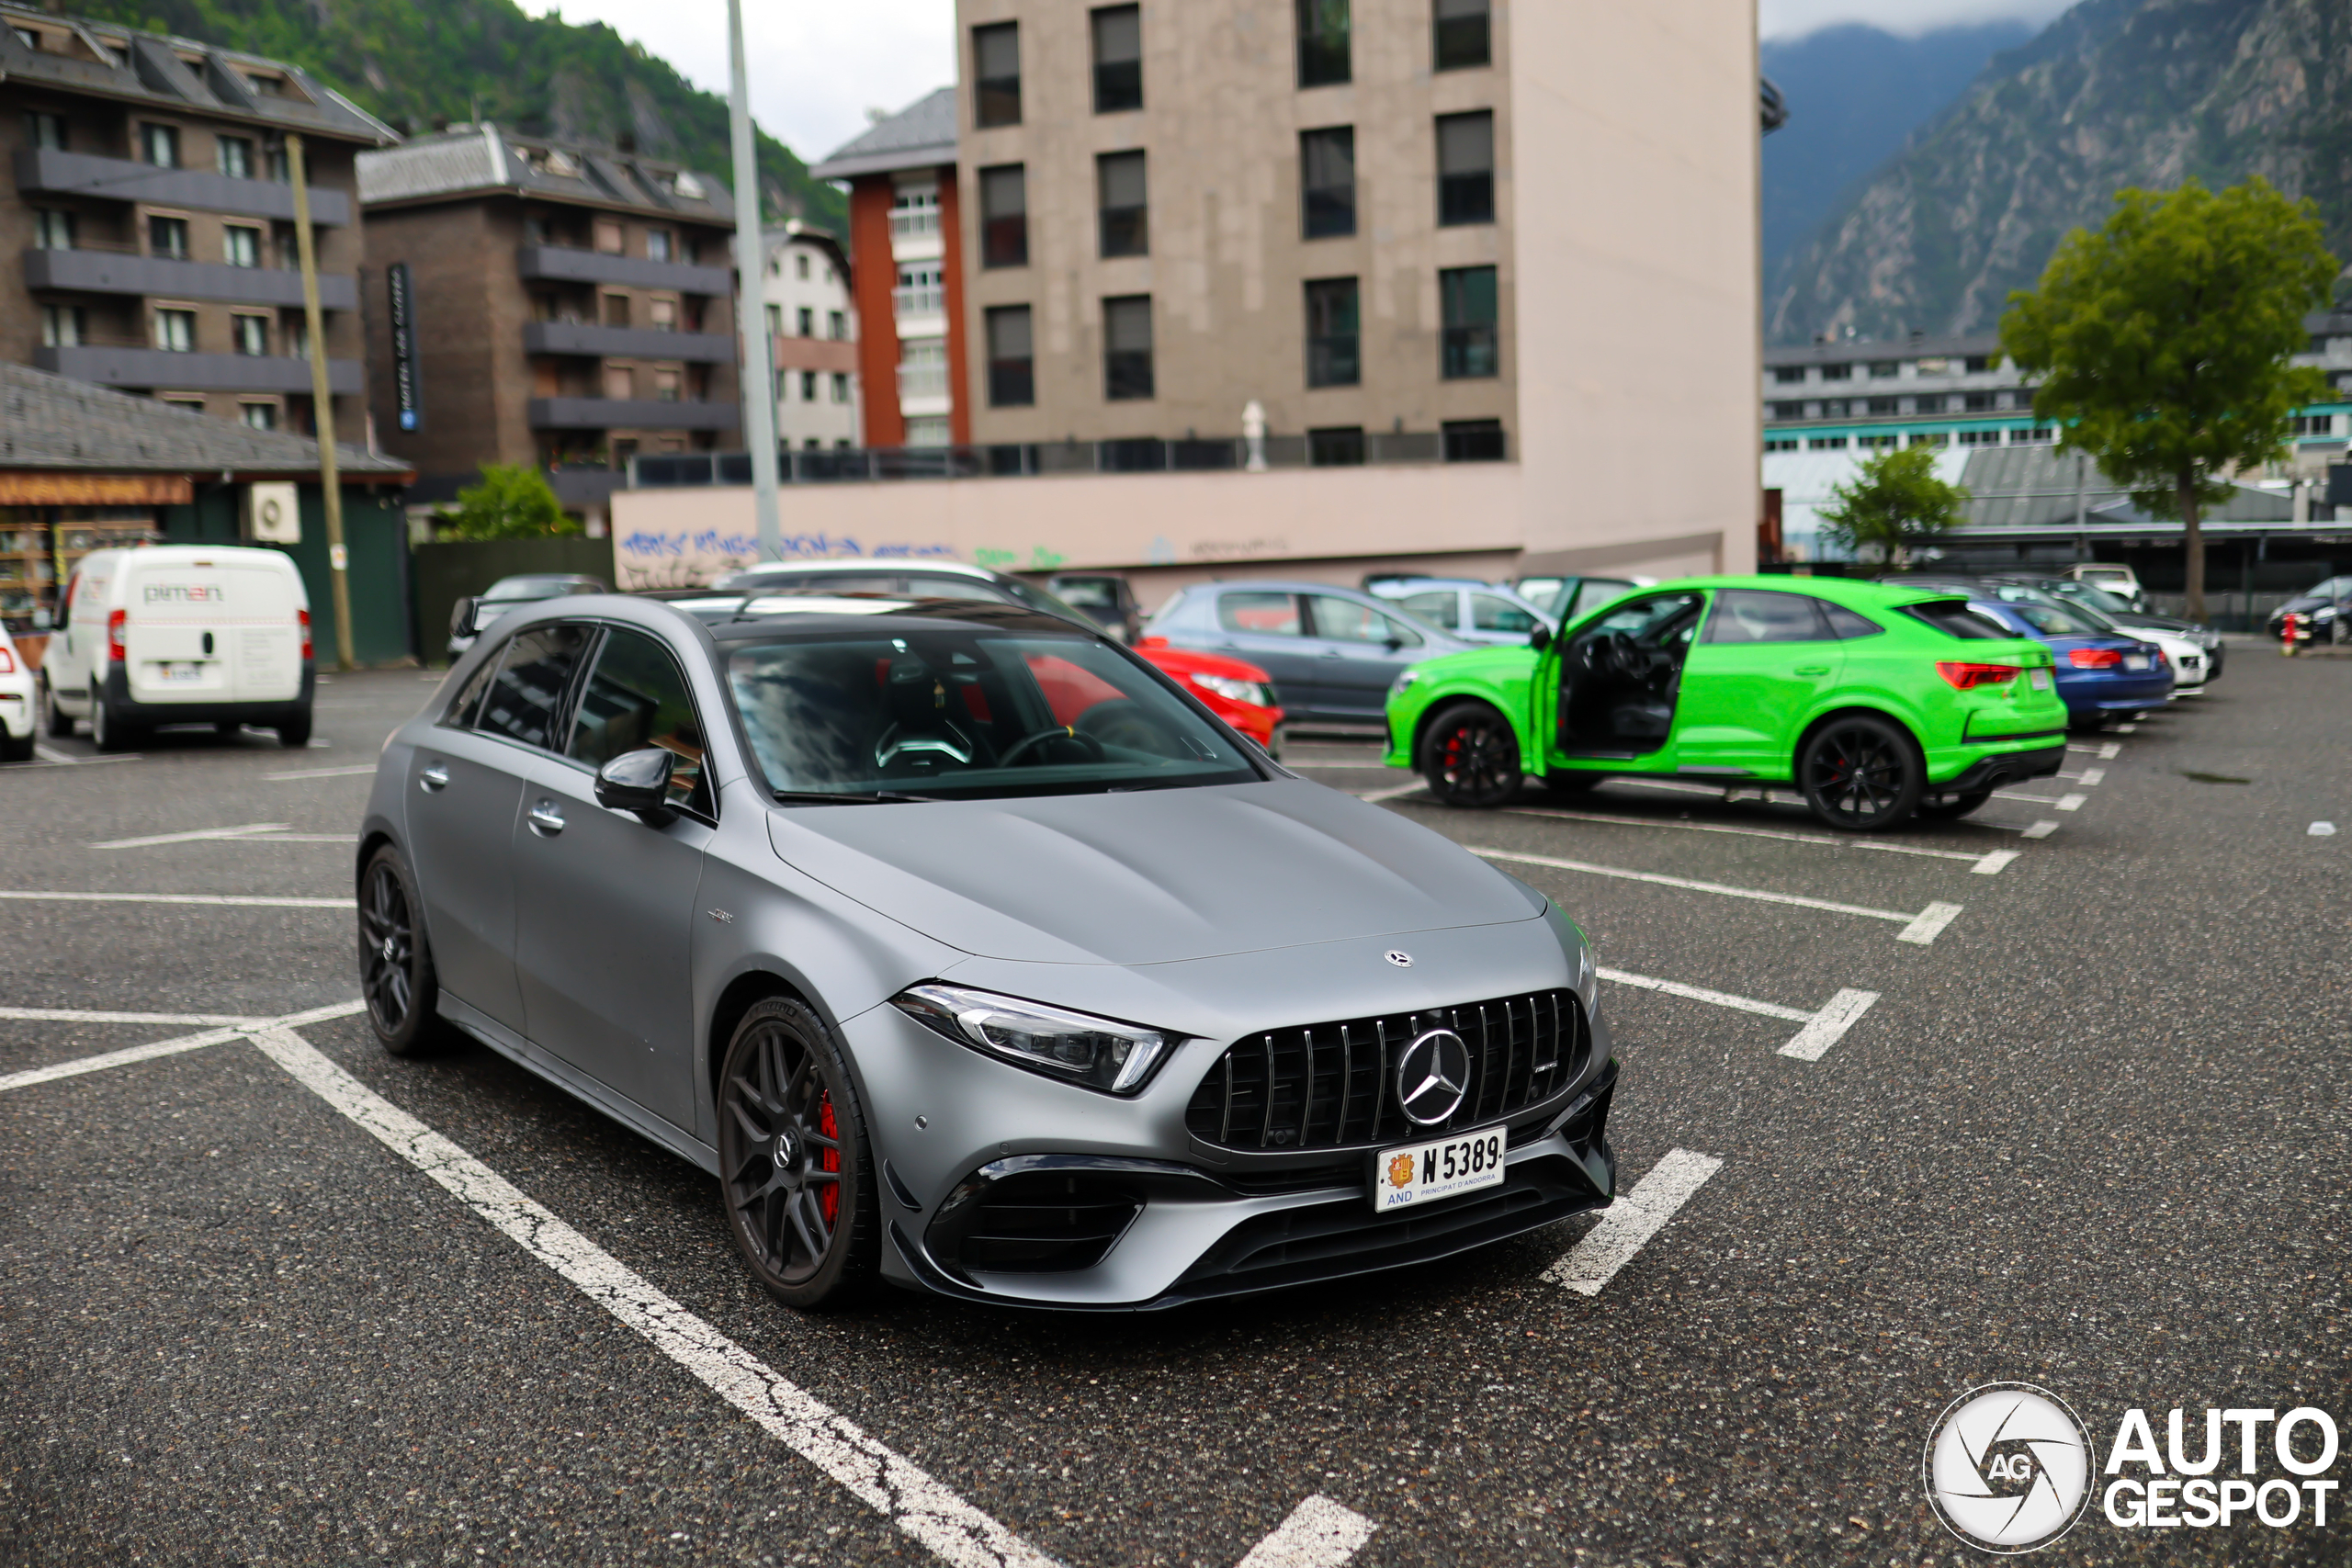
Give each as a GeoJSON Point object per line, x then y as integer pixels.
{"type": "Point", "coordinates": [181, 671]}
{"type": "Point", "coordinates": [1422, 1173]}
{"type": "Point", "coordinates": [2039, 679]}
{"type": "Point", "coordinates": [2135, 662]}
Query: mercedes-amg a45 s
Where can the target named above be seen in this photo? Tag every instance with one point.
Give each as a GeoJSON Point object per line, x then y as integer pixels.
{"type": "Point", "coordinates": [968, 952]}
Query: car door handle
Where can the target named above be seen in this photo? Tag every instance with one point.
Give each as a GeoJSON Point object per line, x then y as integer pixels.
{"type": "Point", "coordinates": [546, 817]}
{"type": "Point", "coordinates": [435, 775]}
{"type": "Point", "coordinates": [1813, 669]}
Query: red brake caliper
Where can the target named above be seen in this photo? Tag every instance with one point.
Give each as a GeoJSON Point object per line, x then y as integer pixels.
{"type": "Point", "coordinates": [830, 1161]}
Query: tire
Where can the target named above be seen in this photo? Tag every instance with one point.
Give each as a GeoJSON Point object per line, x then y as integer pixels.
{"type": "Point", "coordinates": [295, 733]}
{"type": "Point", "coordinates": [795, 1167]}
{"type": "Point", "coordinates": [107, 732]}
{"type": "Point", "coordinates": [1470, 756]}
{"type": "Point", "coordinates": [395, 966]}
{"type": "Point", "coordinates": [227, 728]}
{"type": "Point", "coordinates": [15, 748]}
{"type": "Point", "coordinates": [1860, 773]}
{"type": "Point", "coordinates": [59, 723]}
{"type": "Point", "coordinates": [1952, 808]}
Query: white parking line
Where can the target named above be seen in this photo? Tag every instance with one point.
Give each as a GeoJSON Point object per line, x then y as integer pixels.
{"type": "Point", "coordinates": [2089, 778]}
{"type": "Point", "coordinates": [1319, 1533]}
{"type": "Point", "coordinates": [2111, 750]}
{"type": "Point", "coordinates": [325, 773]}
{"type": "Point", "coordinates": [81, 1015]}
{"type": "Point", "coordinates": [241, 900]}
{"type": "Point", "coordinates": [2041, 829]}
{"type": "Point", "coordinates": [2063, 803]}
{"type": "Point", "coordinates": [1636, 1216]}
{"type": "Point", "coordinates": [185, 1042]}
{"type": "Point", "coordinates": [885, 1481]}
{"type": "Point", "coordinates": [57, 759]}
{"type": "Point", "coordinates": [1984, 865]}
{"type": "Point", "coordinates": [188, 838]}
{"type": "Point", "coordinates": [1822, 1030]}
{"type": "Point", "coordinates": [1919, 928]}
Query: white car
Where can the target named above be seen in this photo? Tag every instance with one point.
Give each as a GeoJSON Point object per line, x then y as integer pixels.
{"type": "Point", "coordinates": [1472, 611]}
{"type": "Point", "coordinates": [180, 634]}
{"type": "Point", "coordinates": [2119, 580]}
{"type": "Point", "coordinates": [16, 703]}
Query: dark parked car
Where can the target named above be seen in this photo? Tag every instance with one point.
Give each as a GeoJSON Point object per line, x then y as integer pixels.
{"type": "Point", "coordinates": [2323, 607]}
{"type": "Point", "coordinates": [1106, 598]}
{"type": "Point", "coordinates": [1333, 652]}
{"type": "Point", "coordinates": [468, 617]}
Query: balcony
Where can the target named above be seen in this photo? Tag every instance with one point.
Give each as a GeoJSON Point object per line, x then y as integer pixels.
{"type": "Point", "coordinates": [47, 170]}
{"type": "Point", "coordinates": [103, 272]}
{"type": "Point", "coordinates": [1140, 454]}
{"type": "Point", "coordinates": [564, 264]}
{"type": "Point", "coordinates": [628, 343]}
{"type": "Point", "coordinates": [154, 368]}
{"type": "Point", "coordinates": [922, 300]}
{"type": "Point", "coordinates": [913, 222]}
{"type": "Point", "coordinates": [630, 413]}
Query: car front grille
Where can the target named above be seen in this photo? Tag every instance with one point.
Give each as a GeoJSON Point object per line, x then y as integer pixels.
{"type": "Point", "coordinates": [1329, 1086]}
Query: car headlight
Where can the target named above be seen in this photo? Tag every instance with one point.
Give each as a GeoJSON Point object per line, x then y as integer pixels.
{"type": "Point", "coordinates": [1234, 691]}
{"type": "Point", "coordinates": [1100, 1052]}
{"type": "Point", "coordinates": [1403, 683]}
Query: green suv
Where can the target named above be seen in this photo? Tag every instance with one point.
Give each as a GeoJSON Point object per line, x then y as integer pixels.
{"type": "Point", "coordinates": [1875, 702]}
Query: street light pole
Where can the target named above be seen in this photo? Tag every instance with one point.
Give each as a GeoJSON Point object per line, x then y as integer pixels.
{"type": "Point", "coordinates": [750, 273]}
{"type": "Point", "coordinates": [321, 405]}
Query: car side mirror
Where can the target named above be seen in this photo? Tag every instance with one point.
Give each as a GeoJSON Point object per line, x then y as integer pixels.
{"type": "Point", "coordinates": [1541, 638]}
{"type": "Point", "coordinates": [637, 781]}
{"type": "Point", "coordinates": [461, 618]}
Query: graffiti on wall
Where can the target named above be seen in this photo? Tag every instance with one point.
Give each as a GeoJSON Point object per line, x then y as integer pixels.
{"type": "Point", "coordinates": [694, 558]}
{"type": "Point", "coordinates": [1040, 560]}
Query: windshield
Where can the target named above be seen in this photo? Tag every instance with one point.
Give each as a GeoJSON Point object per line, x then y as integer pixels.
{"type": "Point", "coordinates": [2097, 599]}
{"type": "Point", "coordinates": [2090, 619]}
{"type": "Point", "coordinates": [2049, 619]}
{"type": "Point", "coordinates": [2334, 587]}
{"type": "Point", "coordinates": [967, 712]}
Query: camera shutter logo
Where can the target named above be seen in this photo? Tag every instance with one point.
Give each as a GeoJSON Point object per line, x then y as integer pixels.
{"type": "Point", "coordinates": [2008, 1468]}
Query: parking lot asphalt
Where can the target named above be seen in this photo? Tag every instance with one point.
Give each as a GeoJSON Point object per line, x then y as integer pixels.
{"type": "Point", "coordinates": [2087, 1133]}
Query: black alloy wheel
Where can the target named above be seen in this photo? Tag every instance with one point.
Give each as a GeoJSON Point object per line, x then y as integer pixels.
{"type": "Point", "coordinates": [1471, 756]}
{"type": "Point", "coordinates": [794, 1159]}
{"type": "Point", "coordinates": [395, 966]}
{"type": "Point", "coordinates": [1951, 808]}
{"type": "Point", "coordinates": [1861, 775]}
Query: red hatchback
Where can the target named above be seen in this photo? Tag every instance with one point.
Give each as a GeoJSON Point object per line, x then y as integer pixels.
{"type": "Point", "coordinates": [1241, 694]}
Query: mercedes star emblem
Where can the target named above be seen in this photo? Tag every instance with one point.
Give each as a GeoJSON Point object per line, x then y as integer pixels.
{"type": "Point", "coordinates": [1433, 1075]}
{"type": "Point", "coordinates": [1402, 960]}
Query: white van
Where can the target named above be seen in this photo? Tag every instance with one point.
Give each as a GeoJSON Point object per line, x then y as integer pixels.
{"type": "Point", "coordinates": [180, 634]}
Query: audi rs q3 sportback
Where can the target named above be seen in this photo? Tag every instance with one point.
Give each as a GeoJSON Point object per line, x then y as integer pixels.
{"type": "Point", "coordinates": [1875, 702]}
{"type": "Point", "coordinates": [969, 952]}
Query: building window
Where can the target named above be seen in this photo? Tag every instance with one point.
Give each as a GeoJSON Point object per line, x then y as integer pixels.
{"type": "Point", "coordinates": [1884, 369]}
{"type": "Point", "coordinates": [807, 320]}
{"type": "Point", "coordinates": [1004, 216]}
{"type": "Point", "coordinates": [45, 130]}
{"type": "Point", "coordinates": [52, 231]}
{"type": "Point", "coordinates": [1332, 343]}
{"type": "Point", "coordinates": [295, 333]}
{"type": "Point", "coordinates": [1326, 182]}
{"type": "Point", "coordinates": [1323, 57]}
{"type": "Point", "coordinates": [167, 237]}
{"type": "Point", "coordinates": [620, 383]}
{"type": "Point", "coordinates": [919, 291]}
{"type": "Point", "coordinates": [1980, 438]}
{"type": "Point", "coordinates": [1335, 448]}
{"type": "Point", "coordinates": [837, 325]}
{"type": "Point", "coordinates": [841, 386]}
{"type": "Point", "coordinates": [235, 157]}
{"type": "Point", "coordinates": [996, 60]}
{"type": "Point", "coordinates": [1461, 38]}
{"type": "Point", "coordinates": [914, 210]}
{"type": "Point", "coordinates": [1118, 58]}
{"type": "Point", "coordinates": [1471, 345]}
{"type": "Point", "coordinates": [608, 237]}
{"type": "Point", "coordinates": [63, 326]}
{"type": "Point", "coordinates": [1127, 348]}
{"type": "Point", "coordinates": [615, 309]}
{"type": "Point", "coordinates": [241, 246]}
{"type": "Point", "coordinates": [175, 331]}
{"type": "Point", "coordinates": [1012, 382]}
{"type": "Point", "coordinates": [800, 266]}
{"type": "Point", "coordinates": [657, 244]}
{"type": "Point", "coordinates": [1882, 405]}
{"type": "Point", "coordinates": [1125, 219]}
{"type": "Point", "coordinates": [1837, 372]}
{"type": "Point", "coordinates": [1788, 410]}
{"type": "Point", "coordinates": [1930, 438]}
{"type": "Point", "coordinates": [260, 416]}
{"type": "Point", "coordinates": [2038, 434]}
{"type": "Point", "coordinates": [666, 386]}
{"type": "Point", "coordinates": [661, 315]}
{"type": "Point", "coordinates": [1826, 443]}
{"type": "Point", "coordinates": [1834, 409]}
{"type": "Point", "coordinates": [249, 335]}
{"type": "Point", "coordinates": [932, 430]}
{"type": "Point", "coordinates": [1474, 441]}
{"type": "Point", "coordinates": [281, 167]}
{"type": "Point", "coordinates": [1980, 362]}
{"type": "Point", "coordinates": [922, 368]}
{"type": "Point", "coordinates": [160, 145]}
{"type": "Point", "coordinates": [1979, 403]}
{"type": "Point", "coordinates": [1465, 168]}
{"type": "Point", "coordinates": [1790, 445]}
{"type": "Point", "coordinates": [809, 385]}
{"type": "Point", "coordinates": [776, 321]}
{"type": "Point", "coordinates": [186, 405]}
{"type": "Point", "coordinates": [1788, 375]}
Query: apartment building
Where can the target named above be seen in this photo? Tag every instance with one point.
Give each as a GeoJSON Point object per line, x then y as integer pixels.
{"type": "Point", "coordinates": [903, 215]}
{"type": "Point", "coordinates": [549, 304]}
{"type": "Point", "coordinates": [150, 229]}
{"type": "Point", "coordinates": [812, 327]}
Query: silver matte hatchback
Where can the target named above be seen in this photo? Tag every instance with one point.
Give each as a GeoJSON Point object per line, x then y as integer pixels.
{"type": "Point", "coordinates": [968, 952]}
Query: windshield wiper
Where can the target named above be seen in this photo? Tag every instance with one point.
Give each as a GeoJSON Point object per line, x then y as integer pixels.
{"type": "Point", "coordinates": [848, 797]}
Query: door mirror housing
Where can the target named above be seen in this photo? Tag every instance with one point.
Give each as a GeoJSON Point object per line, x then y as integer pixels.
{"type": "Point", "coordinates": [637, 781]}
{"type": "Point", "coordinates": [1541, 638]}
{"type": "Point", "coordinates": [461, 618]}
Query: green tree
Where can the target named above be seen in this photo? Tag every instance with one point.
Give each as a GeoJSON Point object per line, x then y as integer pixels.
{"type": "Point", "coordinates": [511, 503]}
{"type": "Point", "coordinates": [2161, 343]}
{"type": "Point", "coordinates": [1893, 504]}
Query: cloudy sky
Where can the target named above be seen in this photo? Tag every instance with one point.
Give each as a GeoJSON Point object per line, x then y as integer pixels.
{"type": "Point", "coordinates": [818, 65]}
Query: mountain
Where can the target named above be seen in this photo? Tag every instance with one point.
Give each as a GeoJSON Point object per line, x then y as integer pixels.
{"type": "Point", "coordinates": [415, 64]}
{"type": "Point", "coordinates": [2114, 93]}
{"type": "Point", "coordinates": [1855, 95]}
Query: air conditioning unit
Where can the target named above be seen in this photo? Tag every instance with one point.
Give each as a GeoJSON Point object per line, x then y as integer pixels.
{"type": "Point", "coordinates": [272, 514]}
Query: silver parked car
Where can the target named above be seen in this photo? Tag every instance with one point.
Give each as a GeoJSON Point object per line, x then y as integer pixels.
{"type": "Point", "coordinates": [1472, 611]}
{"type": "Point", "coordinates": [967, 953]}
{"type": "Point", "coordinates": [1333, 652]}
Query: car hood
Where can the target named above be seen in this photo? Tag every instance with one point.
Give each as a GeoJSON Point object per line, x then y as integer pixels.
{"type": "Point", "coordinates": [1155, 876]}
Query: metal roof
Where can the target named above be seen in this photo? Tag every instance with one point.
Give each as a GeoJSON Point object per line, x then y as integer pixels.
{"type": "Point", "coordinates": [921, 136]}
{"type": "Point", "coordinates": [482, 159]}
{"type": "Point", "coordinates": [50, 424]}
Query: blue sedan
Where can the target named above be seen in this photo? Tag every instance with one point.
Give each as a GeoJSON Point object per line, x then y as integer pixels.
{"type": "Point", "coordinates": [2100, 675]}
